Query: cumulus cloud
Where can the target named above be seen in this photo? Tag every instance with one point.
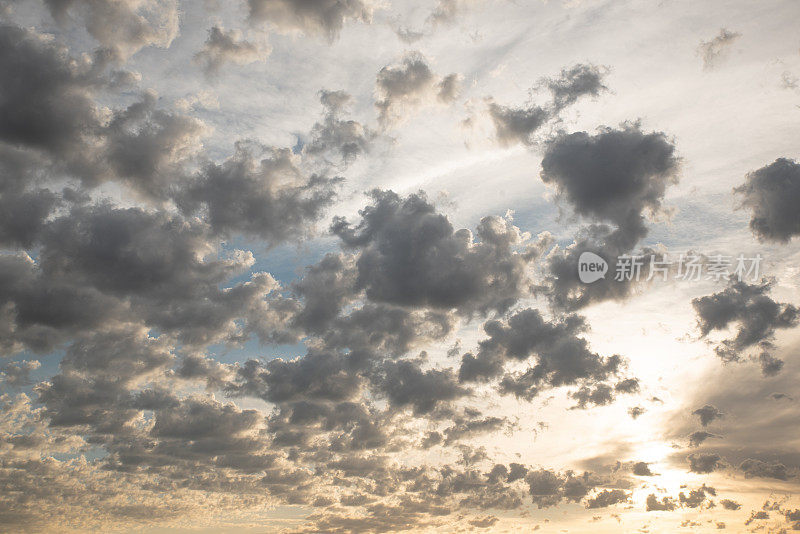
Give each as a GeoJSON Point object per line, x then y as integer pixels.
{"type": "Point", "coordinates": [771, 193]}
{"type": "Point", "coordinates": [752, 311]}
{"type": "Point", "coordinates": [642, 469]}
{"type": "Point", "coordinates": [124, 26]}
{"type": "Point", "coordinates": [614, 179]}
{"type": "Point", "coordinates": [614, 176]}
{"type": "Point", "coordinates": [258, 191]}
{"type": "Point", "coordinates": [223, 47]}
{"type": "Point", "coordinates": [51, 113]}
{"type": "Point", "coordinates": [754, 467]}
{"type": "Point", "coordinates": [714, 51]}
{"type": "Point", "coordinates": [559, 356]}
{"type": "Point", "coordinates": [335, 137]}
{"type": "Point", "coordinates": [697, 438]}
{"type": "Point", "coordinates": [574, 82]}
{"type": "Point", "coordinates": [410, 255]}
{"type": "Point", "coordinates": [606, 498]}
{"type": "Point", "coordinates": [666, 504]}
{"type": "Point", "coordinates": [404, 383]}
{"type": "Point", "coordinates": [519, 124]}
{"type": "Point", "coordinates": [707, 414]}
{"type": "Point", "coordinates": [696, 497]}
{"type": "Point", "coordinates": [51, 106]}
{"type": "Point", "coordinates": [516, 125]}
{"type": "Point", "coordinates": [728, 504]}
{"type": "Point", "coordinates": [704, 462]}
{"type": "Point", "coordinates": [183, 381]}
{"type": "Point", "coordinates": [100, 265]}
{"type": "Point", "coordinates": [145, 147]}
{"type": "Point", "coordinates": [549, 488]}
{"type": "Point", "coordinates": [409, 84]}
{"type": "Point", "coordinates": [17, 374]}
{"type": "Point", "coordinates": [325, 17]}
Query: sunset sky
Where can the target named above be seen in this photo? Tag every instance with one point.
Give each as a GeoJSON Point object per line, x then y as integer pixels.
{"type": "Point", "coordinates": [313, 266]}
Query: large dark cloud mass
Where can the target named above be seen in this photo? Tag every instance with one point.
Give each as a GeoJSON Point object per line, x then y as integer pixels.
{"type": "Point", "coordinates": [412, 256]}
{"type": "Point", "coordinates": [615, 176]}
{"type": "Point", "coordinates": [614, 179]}
{"type": "Point", "coordinates": [772, 194]}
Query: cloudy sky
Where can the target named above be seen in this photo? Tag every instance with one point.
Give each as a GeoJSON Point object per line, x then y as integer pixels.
{"type": "Point", "coordinates": [314, 266]}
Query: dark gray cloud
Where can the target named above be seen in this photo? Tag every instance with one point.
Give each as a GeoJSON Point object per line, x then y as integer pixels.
{"type": "Point", "coordinates": [559, 357]}
{"type": "Point", "coordinates": [406, 384]}
{"type": "Point", "coordinates": [411, 255]}
{"type": "Point", "coordinates": [325, 288]}
{"type": "Point", "coordinates": [707, 414]}
{"type": "Point", "coordinates": [223, 47]}
{"type": "Point", "coordinates": [751, 310]}
{"type": "Point", "coordinates": [704, 462]}
{"type": "Point", "coordinates": [574, 82]}
{"type": "Point", "coordinates": [50, 105]}
{"type": "Point", "coordinates": [772, 193]}
{"type": "Point", "coordinates": [642, 469]}
{"type": "Point", "coordinates": [316, 376]}
{"type": "Point", "coordinates": [23, 215]}
{"type": "Point", "coordinates": [39, 313]}
{"type": "Point", "coordinates": [146, 147]}
{"type": "Point", "coordinates": [98, 374]}
{"type": "Point", "coordinates": [599, 395]}
{"type": "Point", "coordinates": [696, 497]}
{"type": "Point", "coordinates": [728, 504]}
{"type": "Point", "coordinates": [323, 17]}
{"type": "Point", "coordinates": [519, 124]}
{"type": "Point", "coordinates": [770, 365]}
{"type": "Point", "coordinates": [606, 498]}
{"type": "Point", "coordinates": [549, 488]}
{"type": "Point", "coordinates": [100, 265]}
{"type": "Point", "coordinates": [381, 328]}
{"type": "Point", "coordinates": [196, 366]}
{"type": "Point", "coordinates": [754, 467]}
{"type": "Point", "coordinates": [258, 191]}
{"type": "Point", "coordinates": [698, 437]}
{"type": "Point", "coordinates": [666, 504]}
{"type": "Point", "coordinates": [614, 176]}
{"type": "Point", "coordinates": [51, 112]}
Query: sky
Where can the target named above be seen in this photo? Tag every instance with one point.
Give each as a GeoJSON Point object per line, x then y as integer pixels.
{"type": "Point", "coordinates": [371, 266]}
